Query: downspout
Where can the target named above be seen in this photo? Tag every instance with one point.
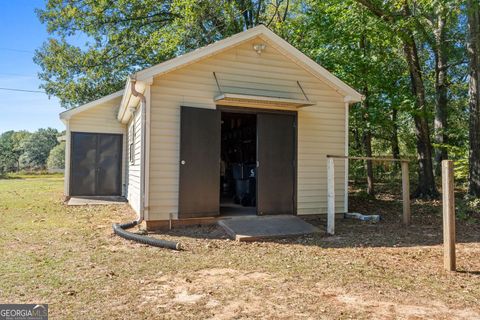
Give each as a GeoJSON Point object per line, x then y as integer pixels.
{"type": "Point", "coordinates": [119, 229]}
{"type": "Point", "coordinates": [143, 105]}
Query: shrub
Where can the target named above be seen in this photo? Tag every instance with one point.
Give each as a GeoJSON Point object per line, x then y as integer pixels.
{"type": "Point", "coordinates": [56, 158]}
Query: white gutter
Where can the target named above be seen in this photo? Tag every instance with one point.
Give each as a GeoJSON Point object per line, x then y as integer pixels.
{"type": "Point", "coordinates": [129, 99]}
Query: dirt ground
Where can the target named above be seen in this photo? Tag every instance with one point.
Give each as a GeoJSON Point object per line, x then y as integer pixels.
{"type": "Point", "coordinates": [69, 258]}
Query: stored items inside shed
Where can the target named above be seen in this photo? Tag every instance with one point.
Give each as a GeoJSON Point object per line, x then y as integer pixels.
{"type": "Point", "coordinates": [238, 172]}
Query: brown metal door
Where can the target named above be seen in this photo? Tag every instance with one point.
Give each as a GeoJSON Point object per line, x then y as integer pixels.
{"type": "Point", "coordinates": [83, 164]}
{"type": "Point", "coordinates": [96, 164]}
{"type": "Point", "coordinates": [276, 163]}
{"type": "Point", "coordinates": [109, 165]}
{"type": "Point", "coordinates": [199, 163]}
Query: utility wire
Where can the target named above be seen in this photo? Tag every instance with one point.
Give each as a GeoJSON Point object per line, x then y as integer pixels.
{"type": "Point", "coordinates": [17, 74]}
{"type": "Point", "coordinates": [21, 90]}
{"type": "Point", "coordinates": [15, 50]}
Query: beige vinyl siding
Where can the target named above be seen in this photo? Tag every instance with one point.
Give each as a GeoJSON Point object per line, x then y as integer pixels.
{"type": "Point", "coordinates": [101, 118]}
{"type": "Point", "coordinates": [321, 128]}
{"type": "Point", "coordinates": [134, 168]}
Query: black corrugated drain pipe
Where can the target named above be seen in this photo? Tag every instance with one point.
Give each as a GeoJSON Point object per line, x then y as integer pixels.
{"type": "Point", "coordinates": [119, 229]}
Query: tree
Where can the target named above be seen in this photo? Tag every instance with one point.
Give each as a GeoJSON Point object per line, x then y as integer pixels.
{"type": "Point", "coordinates": [11, 149]}
{"type": "Point", "coordinates": [56, 158]}
{"type": "Point", "coordinates": [7, 155]}
{"type": "Point", "coordinates": [439, 23]}
{"type": "Point", "coordinates": [348, 41]}
{"type": "Point", "coordinates": [403, 21]}
{"type": "Point", "coordinates": [125, 36]}
{"type": "Point", "coordinates": [36, 149]}
{"type": "Point", "coordinates": [473, 14]}
{"type": "Point", "coordinates": [407, 57]}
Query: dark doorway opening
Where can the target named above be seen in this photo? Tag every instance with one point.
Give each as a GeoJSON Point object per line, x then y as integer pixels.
{"type": "Point", "coordinates": [238, 168]}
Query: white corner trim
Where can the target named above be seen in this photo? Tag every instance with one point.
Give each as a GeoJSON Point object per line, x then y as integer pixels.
{"type": "Point", "coordinates": [146, 209]}
{"type": "Point", "coordinates": [68, 141]}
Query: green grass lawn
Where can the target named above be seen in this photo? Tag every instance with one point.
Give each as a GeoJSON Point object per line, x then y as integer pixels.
{"type": "Point", "coordinates": [69, 258]}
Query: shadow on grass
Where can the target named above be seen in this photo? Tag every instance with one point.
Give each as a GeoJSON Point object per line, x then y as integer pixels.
{"type": "Point", "coordinates": [9, 177]}
{"type": "Point", "coordinates": [476, 273]}
{"type": "Point", "coordinates": [30, 175]}
{"type": "Point", "coordinates": [207, 232]}
{"type": "Point", "coordinates": [426, 228]}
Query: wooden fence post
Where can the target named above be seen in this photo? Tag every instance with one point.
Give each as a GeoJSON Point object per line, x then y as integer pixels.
{"type": "Point", "coordinates": [406, 193]}
{"type": "Point", "coordinates": [330, 196]}
{"type": "Point", "coordinates": [448, 203]}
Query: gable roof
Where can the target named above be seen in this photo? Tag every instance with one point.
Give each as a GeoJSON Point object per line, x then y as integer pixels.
{"type": "Point", "coordinates": [145, 76]}
{"type": "Point", "coordinates": [66, 115]}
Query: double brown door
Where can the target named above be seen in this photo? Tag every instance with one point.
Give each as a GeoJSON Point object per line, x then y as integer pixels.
{"type": "Point", "coordinates": [96, 164]}
{"type": "Point", "coordinates": [200, 137]}
{"type": "Point", "coordinates": [199, 162]}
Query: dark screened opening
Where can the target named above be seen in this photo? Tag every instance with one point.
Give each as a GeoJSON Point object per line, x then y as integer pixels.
{"type": "Point", "coordinates": [238, 174]}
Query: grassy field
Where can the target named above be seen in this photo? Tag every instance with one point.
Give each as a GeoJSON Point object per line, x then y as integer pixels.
{"type": "Point", "coordinates": [69, 258]}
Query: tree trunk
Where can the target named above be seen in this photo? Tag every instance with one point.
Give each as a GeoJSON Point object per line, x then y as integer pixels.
{"type": "Point", "coordinates": [367, 140]}
{"type": "Point", "coordinates": [367, 133]}
{"type": "Point", "coordinates": [441, 90]}
{"type": "Point", "coordinates": [356, 143]}
{"type": "Point", "coordinates": [426, 182]}
{"type": "Point", "coordinates": [395, 145]}
{"type": "Point", "coordinates": [474, 98]}
{"type": "Point", "coordinates": [367, 145]}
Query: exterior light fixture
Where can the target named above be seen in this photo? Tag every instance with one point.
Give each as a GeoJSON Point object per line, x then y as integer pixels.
{"type": "Point", "coordinates": [259, 47]}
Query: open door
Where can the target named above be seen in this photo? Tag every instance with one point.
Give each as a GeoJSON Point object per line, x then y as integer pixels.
{"type": "Point", "coordinates": [276, 163]}
{"type": "Point", "coordinates": [199, 163]}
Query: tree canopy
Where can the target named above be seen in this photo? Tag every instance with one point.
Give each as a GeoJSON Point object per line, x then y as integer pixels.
{"type": "Point", "coordinates": [56, 157]}
{"type": "Point", "coordinates": [11, 148]}
{"type": "Point", "coordinates": [128, 35]}
{"type": "Point", "coordinates": [22, 150]}
{"type": "Point", "coordinates": [416, 62]}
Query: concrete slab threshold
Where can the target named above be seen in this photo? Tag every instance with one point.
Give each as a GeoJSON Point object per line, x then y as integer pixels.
{"type": "Point", "coordinates": [266, 227]}
{"type": "Point", "coordinates": [83, 201]}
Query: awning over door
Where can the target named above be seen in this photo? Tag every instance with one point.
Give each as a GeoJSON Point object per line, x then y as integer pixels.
{"type": "Point", "coordinates": [255, 101]}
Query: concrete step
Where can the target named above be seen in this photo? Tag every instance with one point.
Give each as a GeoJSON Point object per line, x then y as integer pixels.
{"type": "Point", "coordinates": [266, 227]}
